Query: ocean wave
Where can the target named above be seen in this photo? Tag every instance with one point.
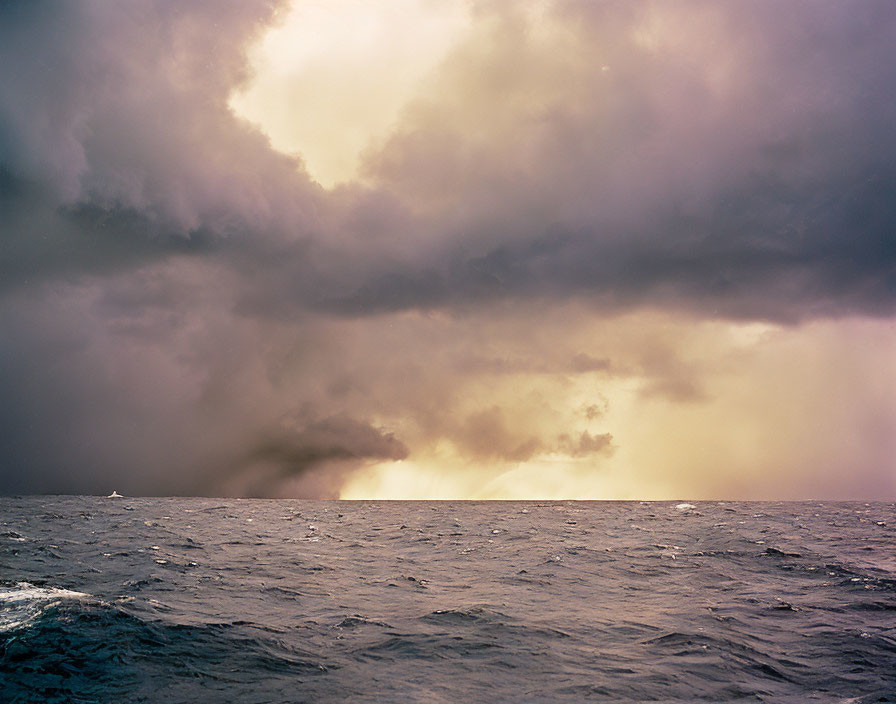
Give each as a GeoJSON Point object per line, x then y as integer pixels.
{"type": "Point", "coordinates": [760, 603]}
{"type": "Point", "coordinates": [22, 603]}
{"type": "Point", "coordinates": [70, 647]}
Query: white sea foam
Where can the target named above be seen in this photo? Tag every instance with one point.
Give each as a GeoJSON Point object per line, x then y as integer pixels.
{"type": "Point", "coordinates": [23, 603]}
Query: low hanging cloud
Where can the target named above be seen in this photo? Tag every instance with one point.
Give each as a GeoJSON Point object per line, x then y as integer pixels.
{"type": "Point", "coordinates": [487, 435]}
{"type": "Point", "coordinates": [585, 444]}
{"type": "Point", "coordinates": [289, 453]}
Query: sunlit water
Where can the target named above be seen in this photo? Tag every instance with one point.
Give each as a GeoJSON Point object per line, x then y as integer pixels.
{"type": "Point", "coordinates": [205, 600]}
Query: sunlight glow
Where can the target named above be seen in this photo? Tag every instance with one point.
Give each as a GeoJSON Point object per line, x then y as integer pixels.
{"type": "Point", "coordinates": [333, 77]}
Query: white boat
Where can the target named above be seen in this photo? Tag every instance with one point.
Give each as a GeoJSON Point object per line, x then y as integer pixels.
{"type": "Point", "coordinates": [114, 495]}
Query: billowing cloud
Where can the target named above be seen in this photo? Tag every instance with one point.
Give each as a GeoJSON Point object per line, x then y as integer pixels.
{"type": "Point", "coordinates": [592, 232]}
{"type": "Point", "coordinates": [290, 452]}
{"type": "Point", "coordinates": [708, 156]}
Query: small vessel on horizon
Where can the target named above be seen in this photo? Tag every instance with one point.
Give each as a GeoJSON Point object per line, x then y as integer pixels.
{"type": "Point", "coordinates": [114, 495]}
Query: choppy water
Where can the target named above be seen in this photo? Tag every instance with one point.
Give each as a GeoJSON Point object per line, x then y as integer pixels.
{"type": "Point", "coordinates": [204, 600]}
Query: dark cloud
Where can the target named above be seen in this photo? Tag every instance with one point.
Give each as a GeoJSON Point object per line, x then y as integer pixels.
{"type": "Point", "coordinates": [170, 285]}
{"type": "Point", "coordinates": [487, 434]}
{"type": "Point", "coordinates": [768, 252]}
{"type": "Point", "coordinates": [595, 410]}
{"type": "Point", "coordinates": [585, 444]}
{"type": "Point", "coordinates": [747, 176]}
{"type": "Point", "coordinates": [289, 452]}
{"type": "Point", "coordinates": [678, 390]}
{"type": "Point", "coordinates": [583, 362]}
{"type": "Point", "coordinates": [117, 145]}
{"type": "Point", "coordinates": [580, 363]}
{"type": "Point", "coordinates": [606, 152]}
{"type": "Point", "coordinates": [43, 240]}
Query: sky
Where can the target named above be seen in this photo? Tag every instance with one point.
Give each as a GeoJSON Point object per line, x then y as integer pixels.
{"type": "Point", "coordinates": [413, 249]}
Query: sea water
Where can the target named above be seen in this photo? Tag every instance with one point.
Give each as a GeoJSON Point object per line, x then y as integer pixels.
{"type": "Point", "coordinates": [222, 600]}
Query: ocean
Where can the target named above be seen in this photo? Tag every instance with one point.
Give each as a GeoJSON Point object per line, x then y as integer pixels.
{"type": "Point", "coordinates": [251, 601]}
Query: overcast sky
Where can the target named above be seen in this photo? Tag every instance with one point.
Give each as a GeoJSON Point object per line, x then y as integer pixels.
{"type": "Point", "coordinates": [411, 249]}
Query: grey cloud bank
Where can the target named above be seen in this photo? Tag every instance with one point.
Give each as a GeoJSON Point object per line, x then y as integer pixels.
{"type": "Point", "coordinates": [171, 288]}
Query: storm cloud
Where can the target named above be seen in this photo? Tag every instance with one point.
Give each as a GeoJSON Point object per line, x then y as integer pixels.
{"type": "Point", "coordinates": [184, 309]}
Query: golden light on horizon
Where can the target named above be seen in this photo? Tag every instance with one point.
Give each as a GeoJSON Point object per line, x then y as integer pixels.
{"type": "Point", "coordinates": [699, 397]}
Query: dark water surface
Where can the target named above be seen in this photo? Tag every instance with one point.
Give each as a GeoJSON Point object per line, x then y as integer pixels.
{"type": "Point", "coordinates": [208, 600]}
